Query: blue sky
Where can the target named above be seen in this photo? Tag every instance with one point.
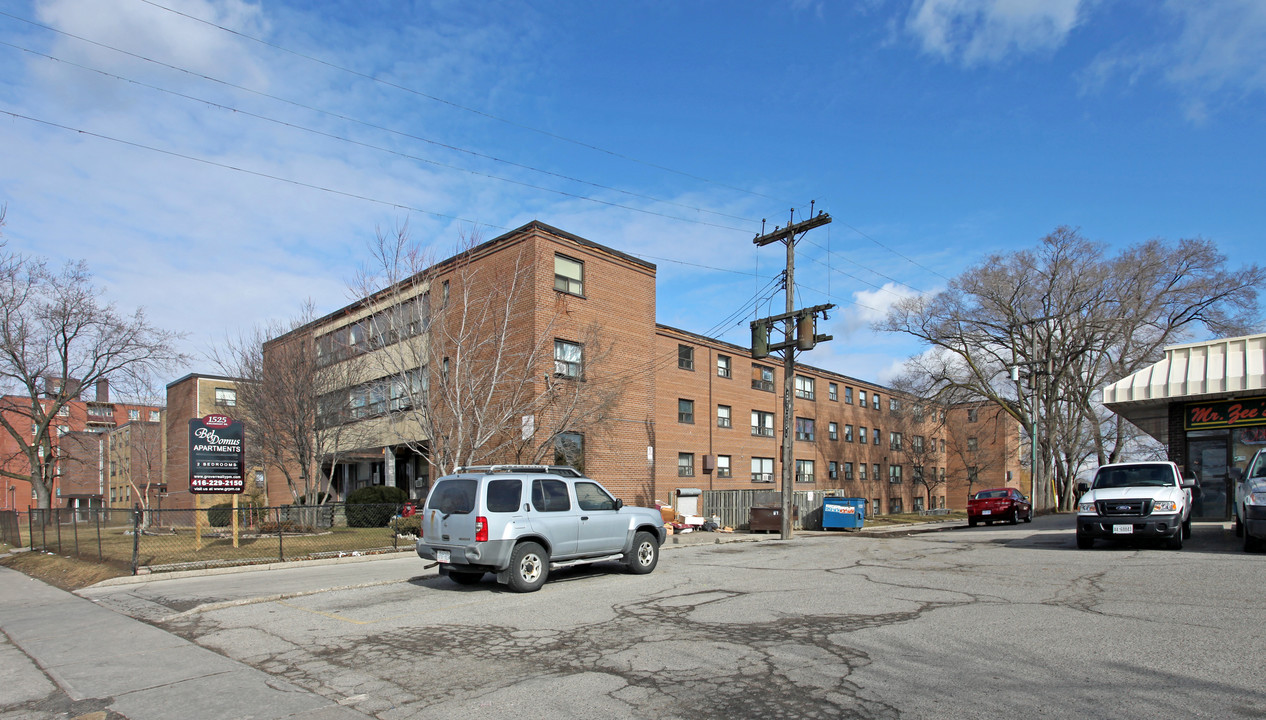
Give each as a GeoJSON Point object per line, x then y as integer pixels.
{"type": "Point", "coordinates": [222, 161]}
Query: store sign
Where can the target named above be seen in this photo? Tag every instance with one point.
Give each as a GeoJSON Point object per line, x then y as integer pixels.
{"type": "Point", "coordinates": [216, 461]}
{"type": "Point", "coordinates": [1226, 414]}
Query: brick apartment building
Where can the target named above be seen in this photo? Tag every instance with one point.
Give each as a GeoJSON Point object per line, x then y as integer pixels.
{"type": "Point", "coordinates": [693, 413]}
{"type": "Point", "coordinates": [192, 397]}
{"type": "Point", "coordinates": [79, 437]}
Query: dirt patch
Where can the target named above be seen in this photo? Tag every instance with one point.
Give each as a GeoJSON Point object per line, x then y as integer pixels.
{"type": "Point", "coordinates": [63, 572]}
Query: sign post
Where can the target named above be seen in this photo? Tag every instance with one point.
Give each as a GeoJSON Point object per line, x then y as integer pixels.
{"type": "Point", "coordinates": [216, 462]}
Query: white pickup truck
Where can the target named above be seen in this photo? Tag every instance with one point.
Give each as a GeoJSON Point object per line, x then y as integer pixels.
{"type": "Point", "coordinates": [1139, 500]}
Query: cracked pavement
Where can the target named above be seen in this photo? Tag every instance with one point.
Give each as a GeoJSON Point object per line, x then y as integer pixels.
{"type": "Point", "coordinates": [981, 622]}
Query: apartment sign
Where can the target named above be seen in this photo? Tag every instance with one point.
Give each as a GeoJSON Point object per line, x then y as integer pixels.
{"type": "Point", "coordinates": [216, 461]}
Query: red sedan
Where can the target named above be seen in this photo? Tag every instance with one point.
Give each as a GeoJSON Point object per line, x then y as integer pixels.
{"type": "Point", "coordinates": [998, 504]}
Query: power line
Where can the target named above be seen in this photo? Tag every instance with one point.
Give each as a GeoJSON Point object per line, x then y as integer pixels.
{"type": "Point", "coordinates": [452, 104]}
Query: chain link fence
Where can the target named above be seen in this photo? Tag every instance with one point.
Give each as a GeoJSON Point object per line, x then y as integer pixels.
{"type": "Point", "coordinates": [148, 540]}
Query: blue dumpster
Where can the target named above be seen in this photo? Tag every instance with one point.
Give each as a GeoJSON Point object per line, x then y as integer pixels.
{"type": "Point", "coordinates": [843, 512]}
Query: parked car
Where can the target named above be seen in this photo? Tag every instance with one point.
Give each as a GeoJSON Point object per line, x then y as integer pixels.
{"type": "Point", "coordinates": [1250, 502]}
{"type": "Point", "coordinates": [521, 522]}
{"type": "Point", "coordinates": [1148, 500]}
{"type": "Point", "coordinates": [998, 504]}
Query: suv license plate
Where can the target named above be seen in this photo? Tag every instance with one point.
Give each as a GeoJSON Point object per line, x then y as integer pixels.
{"type": "Point", "coordinates": [1116, 530]}
{"type": "Point", "coordinates": [441, 556]}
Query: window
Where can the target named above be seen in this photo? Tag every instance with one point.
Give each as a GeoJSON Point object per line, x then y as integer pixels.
{"type": "Point", "coordinates": [916, 443]}
{"type": "Point", "coordinates": [861, 471]}
{"type": "Point", "coordinates": [942, 445]}
{"type": "Point", "coordinates": [833, 469]}
{"type": "Point", "coordinates": [894, 506]}
{"type": "Point", "coordinates": [848, 433]}
{"type": "Point", "coordinates": [591, 496]}
{"type": "Point", "coordinates": [444, 294]}
{"type": "Point", "coordinates": [875, 473]}
{"type": "Point", "coordinates": [972, 445]}
{"type": "Point", "coordinates": [833, 430]}
{"type": "Point", "coordinates": [686, 411]}
{"type": "Point", "coordinates": [918, 504]}
{"type": "Point", "coordinates": [569, 450]}
{"type": "Point", "coordinates": [973, 474]}
{"type": "Point", "coordinates": [875, 401]}
{"type": "Point", "coordinates": [877, 507]}
{"type": "Point", "coordinates": [568, 357]}
{"type": "Point", "coordinates": [804, 387]}
{"type": "Point", "coordinates": [861, 398]}
{"type": "Point", "coordinates": [724, 366]}
{"type": "Point", "coordinates": [833, 391]}
{"type": "Point", "coordinates": [894, 440]}
{"type": "Point", "coordinates": [685, 464]}
{"type": "Point", "coordinates": [685, 357]}
{"type": "Point", "coordinates": [762, 470]}
{"type": "Point", "coordinates": [804, 429]}
{"type": "Point", "coordinates": [919, 474]}
{"type": "Point", "coordinates": [762, 423]}
{"type": "Point", "coordinates": [848, 396]}
{"type": "Point", "coordinates": [874, 433]}
{"type": "Point", "coordinates": [133, 414]}
{"type": "Point", "coordinates": [894, 473]}
{"type": "Point", "coordinates": [724, 416]}
{"type": "Point", "coordinates": [547, 496]}
{"type": "Point", "coordinates": [153, 415]}
{"type": "Point", "coordinates": [762, 378]}
{"type": "Point", "coordinates": [848, 471]}
{"type": "Point", "coordinates": [804, 471]}
{"type": "Point", "coordinates": [569, 275]}
{"type": "Point", "coordinates": [506, 495]}
{"type": "Point", "coordinates": [723, 466]}
{"type": "Point", "coordinates": [894, 404]}
{"type": "Point", "coordinates": [64, 411]}
{"type": "Point", "coordinates": [861, 434]}
{"type": "Point", "coordinates": [226, 397]}
{"type": "Point", "coordinates": [971, 415]}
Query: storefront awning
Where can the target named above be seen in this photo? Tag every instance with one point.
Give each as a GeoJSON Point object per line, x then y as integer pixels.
{"type": "Point", "coordinates": [1195, 371]}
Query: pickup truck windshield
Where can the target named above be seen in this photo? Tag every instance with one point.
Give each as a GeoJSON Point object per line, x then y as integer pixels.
{"type": "Point", "coordinates": [1139, 476]}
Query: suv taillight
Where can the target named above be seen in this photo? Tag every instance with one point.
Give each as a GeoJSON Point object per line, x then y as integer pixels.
{"type": "Point", "coordinates": [481, 529]}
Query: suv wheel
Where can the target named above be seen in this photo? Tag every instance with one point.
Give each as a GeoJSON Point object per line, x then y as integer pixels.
{"type": "Point", "coordinates": [645, 554]}
{"type": "Point", "coordinates": [529, 566]}
{"type": "Point", "coordinates": [465, 578]}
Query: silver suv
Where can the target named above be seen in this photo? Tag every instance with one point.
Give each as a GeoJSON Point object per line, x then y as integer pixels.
{"type": "Point", "coordinates": [522, 521]}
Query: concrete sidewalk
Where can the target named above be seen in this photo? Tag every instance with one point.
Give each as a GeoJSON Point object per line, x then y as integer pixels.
{"type": "Point", "coordinates": [63, 656]}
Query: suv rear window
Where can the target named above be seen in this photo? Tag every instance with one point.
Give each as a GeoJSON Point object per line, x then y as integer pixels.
{"type": "Point", "coordinates": [454, 497]}
{"type": "Point", "coordinates": [504, 495]}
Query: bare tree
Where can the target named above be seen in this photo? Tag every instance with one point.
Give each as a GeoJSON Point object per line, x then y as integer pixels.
{"type": "Point", "coordinates": [1068, 319]}
{"type": "Point", "coordinates": [292, 401]}
{"type": "Point", "coordinates": [57, 337]}
{"type": "Point", "coordinates": [470, 368]}
{"type": "Point", "coordinates": [917, 422]}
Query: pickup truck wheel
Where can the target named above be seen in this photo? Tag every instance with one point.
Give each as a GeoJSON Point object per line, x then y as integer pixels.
{"type": "Point", "coordinates": [645, 554]}
{"type": "Point", "coordinates": [1085, 542]}
{"type": "Point", "coordinates": [1186, 529]}
{"type": "Point", "coordinates": [1175, 541]}
{"type": "Point", "coordinates": [465, 578]}
{"type": "Point", "coordinates": [529, 566]}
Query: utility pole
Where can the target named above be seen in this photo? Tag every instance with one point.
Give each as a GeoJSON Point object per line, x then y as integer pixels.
{"type": "Point", "coordinates": [799, 330]}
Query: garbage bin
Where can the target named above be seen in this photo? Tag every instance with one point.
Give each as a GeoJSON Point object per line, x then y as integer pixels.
{"type": "Point", "coordinates": [848, 513]}
{"type": "Point", "coordinates": [768, 518]}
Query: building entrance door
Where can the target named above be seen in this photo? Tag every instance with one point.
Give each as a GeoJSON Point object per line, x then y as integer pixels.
{"type": "Point", "coordinates": [1209, 458]}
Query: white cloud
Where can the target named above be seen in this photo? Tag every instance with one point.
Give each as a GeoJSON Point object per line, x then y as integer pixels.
{"type": "Point", "coordinates": [870, 307]}
{"type": "Point", "coordinates": [986, 31]}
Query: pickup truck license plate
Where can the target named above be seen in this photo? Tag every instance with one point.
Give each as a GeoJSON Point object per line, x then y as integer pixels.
{"type": "Point", "coordinates": [986, 512]}
{"type": "Point", "coordinates": [442, 556]}
{"type": "Point", "coordinates": [1122, 529]}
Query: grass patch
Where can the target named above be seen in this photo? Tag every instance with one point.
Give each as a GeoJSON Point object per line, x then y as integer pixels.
{"type": "Point", "coordinates": [907, 518]}
{"type": "Point", "coordinates": [63, 572]}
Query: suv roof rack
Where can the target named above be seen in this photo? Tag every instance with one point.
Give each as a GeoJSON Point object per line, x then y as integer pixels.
{"type": "Point", "coordinates": [564, 470]}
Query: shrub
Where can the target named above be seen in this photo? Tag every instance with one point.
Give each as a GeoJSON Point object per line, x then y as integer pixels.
{"type": "Point", "coordinates": [220, 514]}
{"type": "Point", "coordinates": [374, 506]}
{"type": "Point", "coordinates": [411, 525]}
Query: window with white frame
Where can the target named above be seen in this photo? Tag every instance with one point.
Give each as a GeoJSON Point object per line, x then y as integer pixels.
{"type": "Point", "coordinates": [568, 358]}
{"type": "Point", "coordinates": [875, 401]}
{"type": "Point", "coordinates": [724, 416]}
{"type": "Point", "coordinates": [762, 470]}
{"type": "Point", "coordinates": [833, 391]}
{"type": "Point", "coordinates": [848, 433]}
{"type": "Point", "coordinates": [833, 469]}
{"type": "Point", "coordinates": [894, 404]}
{"type": "Point", "coordinates": [894, 440]}
{"type": "Point", "coordinates": [861, 471]}
{"type": "Point", "coordinates": [804, 471]}
{"type": "Point", "coordinates": [154, 416]}
{"type": "Point", "coordinates": [804, 387]}
{"type": "Point", "coordinates": [848, 471]}
{"type": "Point", "coordinates": [685, 464]}
{"type": "Point", "coordinates": [861, 398]}
{"type": "Point", "coordinates": [569, 275]}
{"type": "Point", "coordinates": [226, 397]}
{"type": "Point", "coordinates": [725, 366]}
{"type": "Point", "coordinates": [848, 395]}
{"type": "Point", "coordinates": [833, 431]}
{"type": "Point", "coordinates": [133, 414]}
